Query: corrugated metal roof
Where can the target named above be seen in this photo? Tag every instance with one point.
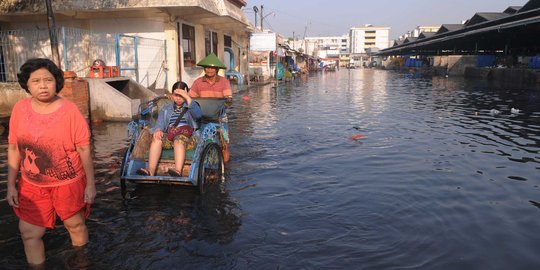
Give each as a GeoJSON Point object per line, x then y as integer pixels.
{"type": "Point", "coordinates": [532, 4]}
{"type": "Point", "coordinates": [449, 28]}
{"type": "Point", "coordinates": [522, 28]}
{"type": "Point", "coordinates": [426, 35]}
{"type": "Point", "coordinates": [481, 17]}
{"type": "Point", "coordinates": [409, 39]}
{"type": "Point", "coordinates": [512, 9]}
{"type": "Point", "coordinates": [397, 42]}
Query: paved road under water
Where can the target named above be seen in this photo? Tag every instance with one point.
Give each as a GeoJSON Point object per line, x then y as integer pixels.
{"type": "Point", "coordinates": [436, 182]}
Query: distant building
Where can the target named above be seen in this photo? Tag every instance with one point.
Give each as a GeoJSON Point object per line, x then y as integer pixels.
{"type": "Point", "coordinates": [367, 37]}
{"type": "Point", "coordinates": [297, 44]}
{"type": "Point", "coordinates": [424, 29]}
{"type": "Point", "coordinates": [327, 47]}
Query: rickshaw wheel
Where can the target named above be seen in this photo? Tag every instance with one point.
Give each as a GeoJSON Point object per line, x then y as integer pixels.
{"type": "Point", "coordinates": [211, 166]}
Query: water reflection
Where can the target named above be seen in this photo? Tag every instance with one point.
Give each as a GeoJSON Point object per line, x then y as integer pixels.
{"type": "Point", "coordinates": [437, 182]}
{"type": "Point", "coordinates": [159, 224]}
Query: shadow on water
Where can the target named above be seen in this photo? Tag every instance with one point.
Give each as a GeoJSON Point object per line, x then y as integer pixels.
{"type": "Point", "coordinates": [158, 225]}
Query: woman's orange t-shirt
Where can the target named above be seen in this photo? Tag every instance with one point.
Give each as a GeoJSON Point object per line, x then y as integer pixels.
{"type": "Point", "coordinates": [48, 143]}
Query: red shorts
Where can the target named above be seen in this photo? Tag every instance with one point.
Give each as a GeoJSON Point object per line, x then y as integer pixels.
{"type": "Point", "coordinates": [40, 205]}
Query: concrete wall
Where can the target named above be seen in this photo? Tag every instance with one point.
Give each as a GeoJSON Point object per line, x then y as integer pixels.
{"type": "Point", "coordinates": [116, 99]}
{"type": "Point", "coordinates": [514, 75]}
{"type": "Point", "coordinates": [517, 76]}
{"type": "Point", "coordinates": [10, 93]}
{"type": "Point", "coordinates": [458, 63]}
{"type": "Point", "coordinates": [455, 64]}
{"type": "Point", "coordinates": [437, 61]}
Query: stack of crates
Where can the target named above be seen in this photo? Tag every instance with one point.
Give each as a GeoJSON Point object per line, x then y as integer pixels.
{"type": "Point", "coordinates": [104, 71]}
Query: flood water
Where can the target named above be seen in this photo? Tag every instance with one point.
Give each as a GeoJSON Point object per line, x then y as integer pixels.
{"type": "Point", "coordinates": [436, 182]}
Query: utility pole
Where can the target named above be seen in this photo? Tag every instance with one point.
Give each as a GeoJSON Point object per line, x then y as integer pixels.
{"type": "Point", "coordinates": [304, 39]}
{"type": "Point", "coordinates": [293, 44]}
{"type": "Point", "coordinates": [262, 18]}
{"type": "Point", "coordinates": [256, 9]}
{"type": "Point", "coordinates": [52, 34]}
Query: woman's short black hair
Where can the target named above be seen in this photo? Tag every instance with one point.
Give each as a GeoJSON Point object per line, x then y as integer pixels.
{"type": "Point", "coordinates": [180, 85]}
{"type": "Point", "coordinates": [34, 64]}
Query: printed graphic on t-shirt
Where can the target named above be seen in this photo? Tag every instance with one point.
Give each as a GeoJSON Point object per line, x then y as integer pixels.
{"type": "Point", "coordinates": [43, 165]}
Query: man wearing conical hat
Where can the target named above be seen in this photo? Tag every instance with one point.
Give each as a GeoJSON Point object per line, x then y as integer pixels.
{"type": "Point", "coordinates": [211, 84]}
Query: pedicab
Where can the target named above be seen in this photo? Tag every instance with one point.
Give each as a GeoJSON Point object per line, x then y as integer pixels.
{"type": "Point", "coordinates": [204, 162]}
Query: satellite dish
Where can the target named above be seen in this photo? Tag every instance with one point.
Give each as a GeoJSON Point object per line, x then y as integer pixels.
{"type": "Point", "coordinates": [256, 9]}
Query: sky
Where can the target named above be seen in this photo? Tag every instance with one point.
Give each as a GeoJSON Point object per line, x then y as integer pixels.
{"type": "Point", "coordinates": [335, 17]}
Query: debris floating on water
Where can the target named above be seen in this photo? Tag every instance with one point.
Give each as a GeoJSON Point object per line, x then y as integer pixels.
{"type": "Point", "coordinates": [359, 136]}
{"type": "Point", "coordinates": [245, 98]}
{"type": "Point", "coordinates": [494, 112]}
{"type": "Point", "coordinates": [514, 111]}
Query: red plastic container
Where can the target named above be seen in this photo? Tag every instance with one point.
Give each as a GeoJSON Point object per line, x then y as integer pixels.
{"type": "Point", "coordinates": [104, 71]}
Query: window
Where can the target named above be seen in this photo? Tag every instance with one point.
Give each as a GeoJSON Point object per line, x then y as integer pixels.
{"type": "Point", "coordinates": [227, 41]}
{"type": "Point", "coordinates": [214, 43]}
{"type": "Point", "coordinates": [188, 45]}
{"type": "Point", "coordinates": [210, 42]}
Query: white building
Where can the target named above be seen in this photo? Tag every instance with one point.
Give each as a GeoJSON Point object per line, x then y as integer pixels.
{"type": "Point", "coordinates": [156, 42]}
{"type": "Point", "coordinates": [416, 32]}
{"type": "Point", "coordinates": [327, 47]}
{"type": "Point", "coordinates": [367, 37]}
{"type": "Point", "coordinates": [425, 29]}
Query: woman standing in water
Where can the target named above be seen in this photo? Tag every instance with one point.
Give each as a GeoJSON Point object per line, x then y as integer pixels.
{"type": "Point", "coordinates": [49, 143]}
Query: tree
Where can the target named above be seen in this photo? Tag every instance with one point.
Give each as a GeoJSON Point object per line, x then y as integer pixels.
{"type": "Point", "coordinates": [13, 5]}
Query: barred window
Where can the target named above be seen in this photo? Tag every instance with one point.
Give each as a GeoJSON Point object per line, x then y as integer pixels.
{"type": "Point", "coordinates": [188, 45]}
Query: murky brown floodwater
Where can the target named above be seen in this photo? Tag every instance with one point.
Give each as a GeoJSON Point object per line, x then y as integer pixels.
{"type": "Point", "coordinates": [437, 182]}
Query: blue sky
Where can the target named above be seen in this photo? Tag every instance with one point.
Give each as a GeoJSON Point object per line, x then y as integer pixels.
{"type": "Point", "coordinates": [334, 18]}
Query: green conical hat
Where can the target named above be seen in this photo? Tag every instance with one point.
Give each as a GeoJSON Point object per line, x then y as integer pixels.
{"type": "Point", "coordinates": [211, 61]}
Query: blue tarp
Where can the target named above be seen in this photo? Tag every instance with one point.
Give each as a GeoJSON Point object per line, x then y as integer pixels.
{"type": "Point", "coordinates": [534, 62]}
{"type": "Point", "coordinates": [486, 60]}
